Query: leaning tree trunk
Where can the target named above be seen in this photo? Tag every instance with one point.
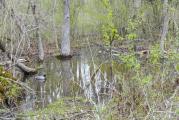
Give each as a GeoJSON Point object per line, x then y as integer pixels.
{"type": "Point", "coordinates": [65, 44]}
{"type": "Point", "coordinates": [38, 36]}
{"type": "Point", "coordinates": [164, 30]}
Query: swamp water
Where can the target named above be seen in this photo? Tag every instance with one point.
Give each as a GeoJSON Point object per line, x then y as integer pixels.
{"type": "Point", "coordinates": [90, 76]}
{"type": "Point", "coordinates": [86, 75]}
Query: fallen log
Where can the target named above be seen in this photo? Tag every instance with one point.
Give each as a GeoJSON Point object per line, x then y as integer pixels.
{"type": "Point", "coordinates": [27, 70]}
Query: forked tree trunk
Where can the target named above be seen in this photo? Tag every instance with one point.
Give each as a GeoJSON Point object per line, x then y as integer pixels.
{"type": "Point", "coordinates": [65, 43]}
{"type": "Point", "coordinates": [164, 30]}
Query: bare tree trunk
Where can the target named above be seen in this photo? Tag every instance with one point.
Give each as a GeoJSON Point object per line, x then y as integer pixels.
{"type": "Point", "coordinates": [137, 4]}
{"type": "Point", "coordinates": [54, 3]}
{"type": "Point", "coordinates": [75, 18]}
{"type": "Point", "coordinates": [2, 4]}
{"type": "Point", "coordinates": [65, 44]}
{"type": "Point", "coordinates": [164, 30]}
{"type": "Point", "coordinates": [38, 36]}
{"type": "Point", "coordinates": [40, 46]}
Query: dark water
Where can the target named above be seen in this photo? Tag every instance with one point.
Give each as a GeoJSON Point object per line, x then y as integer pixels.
{"type": "Point", "coordinates": [88, 75]}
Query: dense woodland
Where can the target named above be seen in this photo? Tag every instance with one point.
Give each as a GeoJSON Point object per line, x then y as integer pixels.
{"type": "Point", "coordinates": [89, 59]}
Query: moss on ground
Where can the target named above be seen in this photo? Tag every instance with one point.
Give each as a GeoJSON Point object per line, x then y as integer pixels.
{"type": "Point", "coordinates": [64, 108]}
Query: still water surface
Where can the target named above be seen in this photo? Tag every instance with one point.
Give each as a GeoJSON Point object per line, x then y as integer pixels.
{"type": "Point", "coordinates": [88, 74]}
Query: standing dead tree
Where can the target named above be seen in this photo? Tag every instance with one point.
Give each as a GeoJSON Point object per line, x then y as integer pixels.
{"type": "Point", "coordinates": [65, 43]}
{"type": "Point", "coordinates": [2, 4]}
{"type": "Point", "coordinates": [38, 36]}
{"type": "Point", "coordinates": [164, 30]}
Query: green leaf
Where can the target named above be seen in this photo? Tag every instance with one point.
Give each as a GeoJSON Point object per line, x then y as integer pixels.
{"type": "Point", "coordinates": [132, 36]}
{"type": "Point", "coordinates": [177, 67]}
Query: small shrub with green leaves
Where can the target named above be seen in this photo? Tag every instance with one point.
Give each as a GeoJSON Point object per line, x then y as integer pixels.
{"type": "Point", "coordinates": [8, 89]}
{"type": "Point", "coordinates": [155, 54]}
{"type": "Point", "coordinates": [109, 31]}
{"type": "Point", "coordinates": [130, 61]}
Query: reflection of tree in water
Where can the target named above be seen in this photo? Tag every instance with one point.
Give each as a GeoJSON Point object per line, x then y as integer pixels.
{"type": "Point", "coordinates": [103, 86]}
{"type": "Point", "coordinates": [36, 99]}
{"type": "Point", "coordinates": [53, 83]}
{"type": "Point", "coordinates": [28, 103]}
{"type": "Point", "coordinates": [94, 82]}
{"type": "Point", "coordinates": [67, 77]}
{"type": "Point", "coordinates": [40, 92]}
{"type": "Point", "coordinates": [86, 79]}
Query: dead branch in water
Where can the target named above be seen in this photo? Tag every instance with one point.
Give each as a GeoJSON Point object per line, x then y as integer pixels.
{"type": "Point", "coordinates": [26, 69]}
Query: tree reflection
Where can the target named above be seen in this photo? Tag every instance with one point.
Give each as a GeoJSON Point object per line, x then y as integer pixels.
{"type": "Point", "coordinates": [67, 76]}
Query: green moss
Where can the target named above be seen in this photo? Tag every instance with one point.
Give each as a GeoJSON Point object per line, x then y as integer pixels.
{"type": "Point", "coordinates": [60, 108]}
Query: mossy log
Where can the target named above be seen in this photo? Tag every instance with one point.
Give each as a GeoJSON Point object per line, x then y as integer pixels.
{"type": "Point", "coordinates": [26, 69]}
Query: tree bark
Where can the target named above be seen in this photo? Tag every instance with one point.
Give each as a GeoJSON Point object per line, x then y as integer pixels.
{"type": "Point", "coordinates": [164, 30]}
{"type": "Point", "coordinates": [65, 44]}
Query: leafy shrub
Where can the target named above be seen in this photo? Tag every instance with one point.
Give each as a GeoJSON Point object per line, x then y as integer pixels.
{"type": "Point", "coordinates": [9, 90]}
